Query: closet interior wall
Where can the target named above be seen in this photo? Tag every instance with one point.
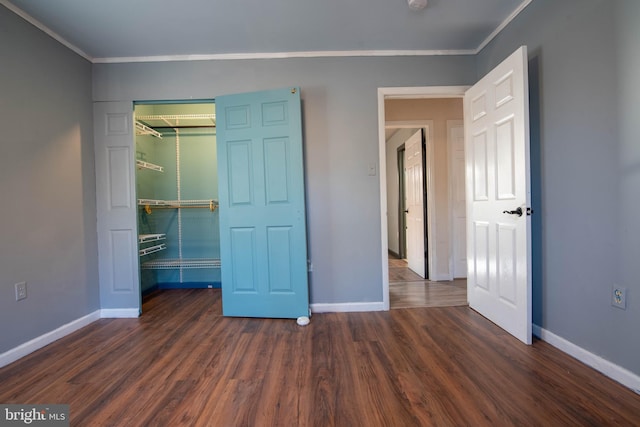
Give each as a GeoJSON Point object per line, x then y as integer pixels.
{"type": "Point", "coordinates": [177, 191]}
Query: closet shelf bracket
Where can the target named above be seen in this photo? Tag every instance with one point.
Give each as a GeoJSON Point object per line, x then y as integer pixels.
{"type": "Point", "coordinates": [144, 238]}
{"type": "Point", "coordinates": [146, 165]}
{"type": "Point", "coordinates": [152, 249]}
{"type": "Point", "coordinates": [142, 129]}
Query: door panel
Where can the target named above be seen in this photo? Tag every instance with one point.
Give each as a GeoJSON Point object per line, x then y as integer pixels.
{"type": "Point", "coordinates": [116, 206]}
{"type": "Point", "coordinates": [279, 256]}
{"type": "Point", "coordinates": [239, 167]}
{"type": "Point", "coordinates": [505, 161]}
{"type": "Point", "coordinates": [276, 165]}
{"type": "Point", "coordinates": [497, 164]}
{"type": "Point", "coordinates": [243, 266]}
{"type": "Point", "coordinates": [262, 205]}
{"type": "Point", "coordinates": [415, 203]}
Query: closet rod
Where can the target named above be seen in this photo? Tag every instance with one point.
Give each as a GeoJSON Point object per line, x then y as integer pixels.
{"type": "Point", "coordinates": [177, 117]}
{"type": "Point", "coordinates": [186, 127]}
{"type": "Point", "coordinates": [166, 264]}
{"type": "Point", "coordinates": [211, 207]}
{"type": "Point", "coordinates": [211, 204]}
{"type": "Point", "coordinates": [182, 203]}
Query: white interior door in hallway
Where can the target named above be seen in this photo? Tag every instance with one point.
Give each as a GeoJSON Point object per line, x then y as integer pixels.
{"type": "Point", "coordinates": [414, 203]}
{"type": "Point", "coordinates": [455, 138]}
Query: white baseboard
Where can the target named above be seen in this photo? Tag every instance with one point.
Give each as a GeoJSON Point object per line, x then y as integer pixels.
{"type": "Point", "coordinates": [441, 278]}
{"type": "Point", "coordinates": [613, 371]}
{"type": "Point", "coordinates": [37, 343]}
{"type": "Point", "coordinates": [119, 313]}
{"type": "Point", "coordinates": [347, 307]}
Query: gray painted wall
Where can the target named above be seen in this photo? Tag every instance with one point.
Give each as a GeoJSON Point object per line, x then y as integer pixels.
{"type": "Point", "coordinates": [584, 67]}
{"type": "Point", "coordinates": [47, 184]}
{"type": "Point", "coordinates": [340, 117]}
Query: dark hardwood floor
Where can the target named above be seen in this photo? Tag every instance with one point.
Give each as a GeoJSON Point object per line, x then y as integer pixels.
{"type": "Point", "coordinates": [182, 363]}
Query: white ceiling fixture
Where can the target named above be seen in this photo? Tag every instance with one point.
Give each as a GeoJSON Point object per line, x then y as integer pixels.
{"type": "Point", "coordinates": [417, 4]}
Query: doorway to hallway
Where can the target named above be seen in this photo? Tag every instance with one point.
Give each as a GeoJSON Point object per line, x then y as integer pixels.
{"type": "Point", "coordinates": [408, 290]}
{"type": "Point", "coordinates": [440, 119]}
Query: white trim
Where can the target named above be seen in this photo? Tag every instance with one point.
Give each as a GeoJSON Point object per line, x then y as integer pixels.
{"type": "Point", "coordinates": [39, 25]}
{"type": "Point", "coordinates": [439, 277]}
{"type": "Point", "coordinates": [281, 55]}
{"type": "Point", "coordinates": [610, 369]}
{"type": "Point", "coordinates": [384, 229]}
{"type": "Point", "coordinates": [430, 166]}
{"type": "Point", "coordinates": [37, 343]}
{"type": "Point", "coordinates": [399, 93]}
{"type": "Point", "coordinates": [119, 313]}
{"type": "Point", "coordinates": [450, 125]}
{"type": "Point", "coordinates": [452, 242]}
{"type": "Point", "coordinates": [409, 124]}
{"type": "Point", "coordinates": [347, 307]}
{"type": "Point", "coordinates": [501, 27]}
{"type": "Point", "coordinates": [419, 92]}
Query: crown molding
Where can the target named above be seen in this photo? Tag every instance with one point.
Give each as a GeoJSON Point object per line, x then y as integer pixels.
{"type": "Point", "coordinates": [501, 27]}
{"type": "Point", "coordinates": [33, 21]}
{"type": "Point", "coordinates": [280, 55]}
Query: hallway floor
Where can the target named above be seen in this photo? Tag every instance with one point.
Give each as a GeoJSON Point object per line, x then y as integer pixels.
{"type": "Point", "coordinates": [407, 289]}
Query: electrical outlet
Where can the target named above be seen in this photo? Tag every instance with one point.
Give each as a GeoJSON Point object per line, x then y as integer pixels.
{"type": "Point", "coordinates": [21, 291]}
{"type": "Point", "coordinates": [619, 297]}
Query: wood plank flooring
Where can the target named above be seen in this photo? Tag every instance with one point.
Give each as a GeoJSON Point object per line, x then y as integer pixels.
{"type": "Point", "coordinates": [182, 363]}
{"type": "Point", "coordinates": [408, 290]}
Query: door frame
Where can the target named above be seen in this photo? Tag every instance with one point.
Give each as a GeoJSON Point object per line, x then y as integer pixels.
{"type": "Point", "coordinates": [400, 93]}
{"type": "Point", "coordinates": [402, 221]}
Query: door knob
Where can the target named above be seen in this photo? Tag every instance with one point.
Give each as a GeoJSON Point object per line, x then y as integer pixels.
{"type": "Point", "coordinates": [406, 211]}
{"type": "Point", "coordinates": [515, 212]}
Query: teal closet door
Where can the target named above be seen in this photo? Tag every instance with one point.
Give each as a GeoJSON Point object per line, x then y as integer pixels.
{"type": "Point", "coordinates": [263, 244]}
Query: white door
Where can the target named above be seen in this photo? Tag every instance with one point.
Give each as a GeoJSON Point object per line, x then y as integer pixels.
{"type": "Point", "coordinates": [116, 206]}
{"type": "Point", "coordinates": [458, 207]}
{"type": "Point", "coordinates": [496, 113]}
{"type": "Point", "coordinates": [414, 203]}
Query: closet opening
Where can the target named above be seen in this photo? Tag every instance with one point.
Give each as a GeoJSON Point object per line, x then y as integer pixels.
{"type": "Point", "coordinates": [177, 195]}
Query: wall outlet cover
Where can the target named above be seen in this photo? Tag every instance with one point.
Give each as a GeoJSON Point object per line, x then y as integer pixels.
{"type": "Point", "coordinates": [21, 291]}
{"type": "Point", "coordinates": [619, 297]}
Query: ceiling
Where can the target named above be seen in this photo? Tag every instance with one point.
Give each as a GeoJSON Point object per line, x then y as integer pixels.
{"type": "Point", "coordinates": [142, 30]}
